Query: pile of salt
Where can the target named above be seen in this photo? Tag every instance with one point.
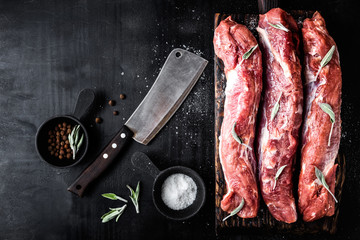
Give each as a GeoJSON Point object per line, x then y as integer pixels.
{"type": "Point", "coordinates": [178, 191]}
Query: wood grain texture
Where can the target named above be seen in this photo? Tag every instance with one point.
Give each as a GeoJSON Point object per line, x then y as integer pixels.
{"type": "Point", "coordinates": [264, 222]}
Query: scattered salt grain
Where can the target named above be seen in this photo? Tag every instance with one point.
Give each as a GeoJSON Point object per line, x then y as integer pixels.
{"type": "Point", "coordinates": [178, 191]}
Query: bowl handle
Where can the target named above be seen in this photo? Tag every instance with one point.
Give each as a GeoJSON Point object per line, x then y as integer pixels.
{"type": "Point", "coordinates": [85, 100]}
{"type": "Point", "coordinates": [142, 161]}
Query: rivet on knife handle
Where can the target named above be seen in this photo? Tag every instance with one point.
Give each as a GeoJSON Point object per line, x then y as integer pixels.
{"type": "Point", "coordinates": [106, 157]}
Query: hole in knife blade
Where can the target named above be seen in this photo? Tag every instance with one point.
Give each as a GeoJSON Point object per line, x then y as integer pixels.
{"type": "Point", "coordinates": [178, 54]}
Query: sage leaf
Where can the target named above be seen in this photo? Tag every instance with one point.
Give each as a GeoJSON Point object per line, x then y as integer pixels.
{"type": "Point", "coordinates": [325, 60]}
{"type": "Point", "coordinates": [117, 209]}
{"type": "Point", "coordinates": [237, 138]}
{"type": "Point", "coordinates": [74, 141]}
{"type": "Point", "coordinates": [72, 133]}
{"type": "Point", "coordinates": [107, 214]}
{"type": "Point", "coordinates": [236, 210]}
{"type": "Point", "coordinates": [70, 139]}
{"type": "Point", "coordinates": [320, 176]}
{"type": "Point", "coordinates": [248, 53]}
{"type": "Point", "coordinates": [117, 218]}
{"type": "Point", "coordinates": [279, 26]}
{"type": "Point", "coordinates": [328, 110]}
{"type": "Point", "coordinates": [137, 190]}
{"type": "Point", "coordinates": [76, 133]}
{"type": "Point", "coordinates": [327, 57]}
{"type": "Point", "coordinates": [110, 216]}
{"type": "Point", "coordinates": [113, 196]}
{"type": "Point", "coordinates": [278, 173]}
{"type": "Point", "coordinates": [114, 212]}
{"type": "Point", "coordinates": [275, 109]}
{"type": "Point", "coordinates": [134, 196]}
{"type": "Point", "coordinates": [80, 141]}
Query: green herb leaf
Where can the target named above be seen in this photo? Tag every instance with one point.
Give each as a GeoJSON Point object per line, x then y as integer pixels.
{"type": "Point", "coordinates": [114, 212]}
{"type": "Point", "coordinates": [327, 57]}
{"type": "Point", "coordinates": [137, 190]}
{"type": "Point", "coordinates": [248, 53]}
{"type": "Point", "coordinates": [76, 133]}
{"type": "Point", "coordinates": [328, 110]}
{"type": "Point", "coordinates": [278, 173]}
{"type": "Point", "coordinates": [74, 141]}
{"type": "Point", "coordinates": [237, 138]}
{"type": "Point", "coordinates": [275, 108]}
{"type": "Point", "coordinates": [106, 214]}
{"type": "Point", "coordinates": [320, 176]}
{"type": "Point", "coordinates": [80, 142]}
{"type": "Point", "coordinates": [236, 210]}
{"type": "Point", "coordinates": [113, 196]}
{"type": "Point", "coordinates": [72, 134]}
{"type": "Point", "coordinates": [325, 60]}
{"type": "Point", "coordinates": [134, 196]}
{"type": "Point", "coordinates": [279, 26]}
{"type": "Point", "coordinates": [117, 218]}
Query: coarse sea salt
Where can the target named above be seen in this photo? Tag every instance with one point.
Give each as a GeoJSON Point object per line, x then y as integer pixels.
{"type": "Point", "coordinates": [178, 191]}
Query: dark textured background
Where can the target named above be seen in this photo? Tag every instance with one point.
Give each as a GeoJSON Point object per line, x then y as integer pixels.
{"type": "Point", "coordinates": [50, 50]}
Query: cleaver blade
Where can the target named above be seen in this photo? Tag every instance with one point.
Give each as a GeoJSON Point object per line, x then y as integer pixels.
{"type": "Point", "coordinates": [177, 77]}
{"type": "Point", "coordinates": [179, 74]}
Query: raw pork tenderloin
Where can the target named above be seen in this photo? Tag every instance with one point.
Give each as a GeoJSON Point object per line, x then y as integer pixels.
{"type": "Point", "coordinates": [281, 112]}
{"type": "Point", "coordinates": [320, 137]}
{"type": "Point", "coordinates": [243, 90]}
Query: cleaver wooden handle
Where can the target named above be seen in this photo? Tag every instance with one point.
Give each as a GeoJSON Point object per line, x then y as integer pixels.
{"type": "Point", "coordinates": [102, 162]}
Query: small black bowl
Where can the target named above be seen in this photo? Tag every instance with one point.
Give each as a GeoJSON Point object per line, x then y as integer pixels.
{"type": "Point", "coordinates": [84, 102]}
{"type": "Point", "coordinates": [190, 210]}
{"type": "Point", "coordinates": [42, 144]}
{"type": "Point", "coordinates": [142, 162]}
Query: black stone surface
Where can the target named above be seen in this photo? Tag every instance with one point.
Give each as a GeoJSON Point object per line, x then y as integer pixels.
{"type": "Point", "coordinates": [50, 50]}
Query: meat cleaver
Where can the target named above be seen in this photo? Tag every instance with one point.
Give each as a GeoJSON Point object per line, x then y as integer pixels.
{"type": "Point", "coordinates": [177, 77]}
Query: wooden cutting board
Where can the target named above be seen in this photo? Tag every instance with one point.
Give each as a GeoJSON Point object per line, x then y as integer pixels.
{"type": "Point", "coordinates": [264, 222]}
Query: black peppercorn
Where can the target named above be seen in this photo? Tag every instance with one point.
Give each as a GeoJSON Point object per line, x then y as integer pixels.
{"type": "Point", "coordinates": [58, 141]}
{"type": "Point", "coordinates": [112, 103]}
{"type": "Point", "coordinates": [98, 120]}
